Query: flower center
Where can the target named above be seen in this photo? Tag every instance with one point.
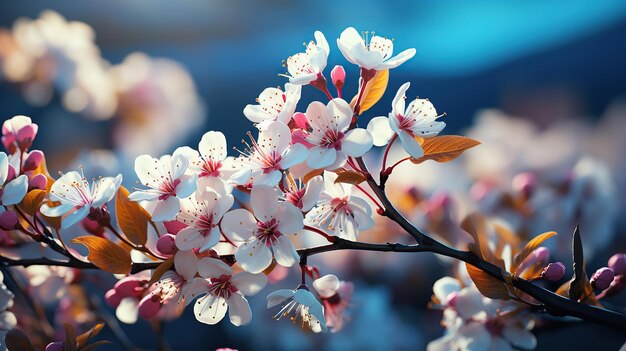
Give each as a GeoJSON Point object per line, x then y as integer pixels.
{"type": "Point", "coordinates": [168, 187]}
{"type": "Point", "coordinates": [222, 286]}
{"type": "Point", "coordinates": [406, 123]}
{"type": "Point", "coordinates": [267, 232]}
{"type": "Point", "coordinates": [210, 168]}
{"type": "Point", "coordinates": [295, 197]}
{"type": "Point", "coordinates": [332, 140]}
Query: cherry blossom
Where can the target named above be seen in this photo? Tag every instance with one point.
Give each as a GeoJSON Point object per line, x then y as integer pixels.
{"type": "Point", "coordinates": [305, 195]}
{"type": "Point", "coordinates": [225, 291]}
{"type": "Point", "coordinates": [330, 135]}
{"type": "Point", "coordinates": [274, 105]}
{"type": "Point", "coordinates": [370, 53]}
{"type": "Point", "coordinates": [335, 296]}
{"type": "Point", "coordinates": [418, 120]}
{"type": "Point", "coordinates": [12, 189]}
{"type": "Point", "coordinates": [18, 132]}
{"type": "Point", "coordinates": [78, 198]}
{"type": "Point", "coordinates": [306, 67]}
{"type": "Point", "coordinates": [340, 212]}
{"type": "Point", "coordinates": [300, 306]}
{"type": "Point", "coordinates": [165, 177]}
{"type": "Point", "coordinates": [202, 213]}
{"type": "Point", "coordinates": [265, 232]}
{"type": "Point", "coordinates": [262, 162]}
{"type": "Point", "coordinates": [7, 318]}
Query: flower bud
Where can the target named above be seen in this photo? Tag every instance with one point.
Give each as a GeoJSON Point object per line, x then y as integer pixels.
{"type": "Point", "coordinates": [554, 271]}
{"type": "Point", "coordinates": [92, 227]}
{"type": "Point", "coordinates": [525, 183]}
{"type": "Point", "coordinates": [8, 141]}
{"type": "Point", "coordinates": [39, 181]}
{"type": "Point", "coordinates": [174, 226]}
{"type": "Point", "coordinates": [602, 278]}
{"type": "Point", "coordinates": [166, 244]}
{"type": "Point", "coordinates": [9, 220]}
{"type": "Point", "coordinates": [617, 263]}
{"type": "Point", "coordinates": [55, 346]}
{"type": "Point", "coordinates": [149, 306]}
{"type": "Point", "coordinates": [33, 160]}
{"type": "Point", "coordinates": [129, 287]}
{"type": "Point", "coordinates": [11, 174]}
{"type": "Point", "coordinates": [113, 298]}
{"type": "Point", "coordinates": [538, 256]}
{"type": "Point", "coordinates": [338, 76]}
{"type": "Point", "coordinates": [26, 135]}
{"type": "Point", "coordinates": [301, 121]}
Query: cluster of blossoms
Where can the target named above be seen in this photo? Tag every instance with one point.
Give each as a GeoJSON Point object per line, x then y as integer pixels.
{"type": "Point", "coordinates": [210, 230]}
{"type": "Point", "coordinates": [51, 55]}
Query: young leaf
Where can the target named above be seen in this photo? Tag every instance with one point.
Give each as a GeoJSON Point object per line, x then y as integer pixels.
{"type": "Point", "coordinates": [445, 148]}
{"type": "Point", "coordinates": [530, 247]}
{"type": "Point", "coordinates": [475, 225]}
{"type": "Point", "coordinates": [32, 201]}
{"type": "Point", "coordinates": [105, 254]}
{"type": "Point", "coordinates": [84, 338]}
{"type": "Point", "coordinates": [69, 344]}
{"type": "Point", "coordinates": [350, 177]}
{"type": "Point", "coordinates": [487, 285]}
{"type": "Point", "coordinates": [576, 287]}
{"type": "Point", "coordinates": [15, 340]}
{"type": "Point", "coordinates": [160, 270]}
{"type": "Point", "coordinates": [374, 90]}
{"type": "Point", "coordinates": [131, 217]}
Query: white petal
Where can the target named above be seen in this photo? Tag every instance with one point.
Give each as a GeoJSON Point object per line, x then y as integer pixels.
{"type": "Point", "coordinates": [312, 192]}
{"type": "Point", "coordinates": [327, 285]}
{"type": "Point", "coordinates": [213, 146]}
{"type": "Point", "coordinates": [178, 163]}
{"type": "Point", "coordinates": [238, 224]}
{"type": "Point", "coordinates": [248, 283]}
{"type": "Point", "coordinates": [166, 210]}
{"type": "Point", "coordinates": [356, 142]}
{"type": "Point", "coordinates": [145, 169]}
{"type": "Point", "coordinates": [398, 104]}
{"type": "Point", "coordinates": [275, 137]}
{"type": "Point", "coordinates": [186, 263]}
{"type": "Point", "coordinates": [189, 238]}
{"type": "Point", "coordinates": [341, 114]}
{"type": "Point", "coordinates": [296, 154]}
{"type": "Point", "coordinates": [254, 256]}
{"type": "Point", "coordinates": [210, 309]}
{"type": "Point", "coordinates": [187, 186]}
{"type": "Point", "coordinates": [106, 190]}
{"type": "Point", "coordinates": [279, 296]}
{"type": "Point", "coordinates": [126, 311]}
{"type": "Point", "coordinates": [56, 211]}
{"type": "Point", "coordinates": [444, 287]}
{"type": "Point", "coordinates": [398, 59]}
{"type": "Point", "coordinates": [410, 145]}
{"type": "Point", "coordinates": [213, 268]}
{"type": "Point", "coordinates": [520, 337]}
{"type": "Point", "coordinates": [289, 218]}
{"type": "Point", "coordinates": [75, 217]}
{"type": "Point", "coordinates": [321, 157]}
{"type": "Point", "coordinates": [141, 195]}
{"type": "Point", "coordinates": [284, 252]}
{"type": "Point", "coordinates": [4, 167]}
{"type": "Point", "coordinates": [264, 201]}
{"type": "Point", "coordinates": [380, 130]}
{"type": "Point", "coordinates": [15, 190]}
{"type": "Point", "coordinates": [239, 310]}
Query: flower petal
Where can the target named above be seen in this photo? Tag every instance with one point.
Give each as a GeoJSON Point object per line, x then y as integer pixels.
{"type": "Point", "coordinates": [210, 309]}
{"type": "Point", "coordinates": [356, 142]}
{"type": "Point", "coordinates": [248, 283]}
{"type": "Point", "coordinates": [410, 145]}
{"type": "Point", "coordinates": [209, 267]}
{"type": "Point", "coordinates": [239, 311]}
{"type": "Point", "coordinates": [166, 210]}
{"type": "Point", "coordinates": [15, 190]}
{"type": "Point", "coordinates": [75, 217]}
{"type": "Point", "coordinates": [380, 130]}
{"type": "Point", "coordinates": [279, 296]}
{"type": "Point", "coordinates": [284, 252]}
{"type": "Point", "coordinates": [327, 285]}
{"type": "Point", "coordinates": [213, 145]}
{"type": "Point", "coordinates": [189, 238]}
{"type": "Point", "coordinates": [254, 256]}
{"type": "Point", "coordinates": [238, 224]}
{"type": "Point", "coordinates": [264, 201]}
{"type": "Point", "coordinates": [186, 263]}
{"type": "Point", "coordinates": [289, 218]}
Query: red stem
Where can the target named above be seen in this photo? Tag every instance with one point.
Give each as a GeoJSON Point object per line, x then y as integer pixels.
{"type": "Point", "coordinates": [380, 208]}
{"type": "Point", "coordinates": [384, 167]}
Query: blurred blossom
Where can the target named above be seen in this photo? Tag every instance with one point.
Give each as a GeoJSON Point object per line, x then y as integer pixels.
{"type": "Point", "coordinates": [7, 318]}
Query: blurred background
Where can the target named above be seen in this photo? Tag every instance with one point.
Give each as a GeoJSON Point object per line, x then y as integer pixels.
{"type": "Point", "coordinates": [542, 85]}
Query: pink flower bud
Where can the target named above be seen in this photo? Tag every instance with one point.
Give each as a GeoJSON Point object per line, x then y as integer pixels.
{"type": "Point", "coordinates": [92, 227]}
{"type": "Point", "coordinates": [338, 76]}
{"type": "Point", "coordinates": [39, 181]}
{"type": "Point", "coordinates": [129, 287]}
{"type": "Point", "coordinates": [33, 160]}
{"type": "Point", "coordinates": [26, 135]}
{"type": "Point", "coordinates": [538, 256]}
{"type": "Point", "coordinates": [451, 299]}
{"type": "Point", "coordinates": [300, 119]}
{"type": "Point", "coordinates": [113, 298]}
{"type": "Point", "coordinates": [602, 278]}
{"type": "Point", "coordinates": [617, 263]}
{"type": "Point", "coordinates": [174, 226]}
{"type": "Point", "coordinates": [554, 271]}
{"type": "Point", "coordinates": [9, 220]}
{"type": "Point", "coordinates": [166, 244]}
{"type": "Point", "coordinates": [525, 183]}
{"type": "Point", "coordinates": [11, 174]}
{"type": "Point", "coordinates": [149, 306]}
{"type": "Point", "coordinates": [55, 346]}
{"type": "Point", "coordinates": [8, 141]}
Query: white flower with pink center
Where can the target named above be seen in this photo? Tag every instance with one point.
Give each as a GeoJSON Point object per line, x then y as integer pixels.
{"type": "Point", "coordinates": [305, 195]}
{"type": "Point", "coordinates": [339, 211]}
{"type": "Point", "coordinates": [328, 133]}
{"type": "Point", "coordinates": [165, 177]}
{"type": "Point", "coordinates": [274, 105]}
{"type": "Point", "coordinates": [417, 120]}
{"type": "Point", "coordinates": [336, 296]}
{"type": "Point", "coordinates": [263, 161]}
{"type": "Point", "coordinates": [202, 214]}
{"type": "Point", "coordinates": [78, 198]}
{"type": "Point", "coordinates": [224, 291]}
{"type": "Point", "coordinates": [265, 232]}
{"type": "Point", "coordinates": [210, 159]}
{"type": "Point", "coordinates": [300, 306]}
{"type": "Point", "coordinates": [306, 67]}
{"type": "Point", "coordinates": [371, 53]}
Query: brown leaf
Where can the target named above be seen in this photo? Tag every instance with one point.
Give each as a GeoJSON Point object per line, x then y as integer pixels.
{"type": "Point", "coordinates": [312, 174]}
{"type": "Point", "coordinates": [487, 285]}
{"type": "Point", "coordinates": [105, 254]}
{"type": "Point", "coordinates": [160, 270]}
{"type": "Point", "coordinates": [445, 148]}
{"type": "Point", "coordinates": [131, 217]}
{"type": "Point", "coordinates": [374, 90]}
{"type": "Point", "coordinates": [83, 339]}
{"type": "Point", "coordinates": [579, 287]}
{"type": "Point", "coordinates": [530, 247]}
{"type": "Point", "coordinates": [15, 340]}
{"type": "Point", "coordinates": [350, 177]}
{"type": "Point", "coordinates": [33, 199]}
{"type": "Point", "coordinates": [69, 344]}
{"type": "Point", "coordinates": [475, 225]}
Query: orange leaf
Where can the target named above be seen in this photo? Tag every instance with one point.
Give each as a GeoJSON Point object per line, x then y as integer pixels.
{"type": "Point", "coordinates": [374, 90]}
{"type": "Point", "coordinates": [131, 217]}
{"type": "Point", "coordinates": [445, 148]}
{"type": "Point", "coordinates": [105, 254]}
{"type": "Point", "coordinates": [475, 225]}
{"type": "Point", "coordinates": [350, 177]}
{"type": "Point", "coordinates": [530, 247]}
{"type": "Point", "coordinates": [312, 174]}
{"type": "Point", "coordinates": [487, 285]}
{"type": "Point", "coordinates": [160, 270]}
{"type": "Point", "coordinates": [84, 338]}
{"type": "Point", "coordinates": [32, 201]}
